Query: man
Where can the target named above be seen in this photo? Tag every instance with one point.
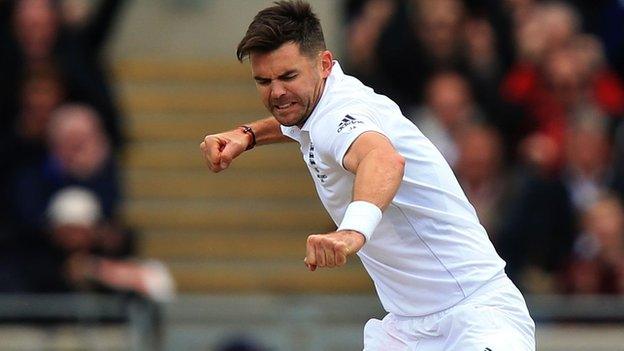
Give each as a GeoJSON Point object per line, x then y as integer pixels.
{"type": "Point", "coordinates": [395, 199]}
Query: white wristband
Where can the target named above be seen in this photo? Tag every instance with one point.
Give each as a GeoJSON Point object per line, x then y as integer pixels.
{"type": "Point", "coordinates": [361, 216]}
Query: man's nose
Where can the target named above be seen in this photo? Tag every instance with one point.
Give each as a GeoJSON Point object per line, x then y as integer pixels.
{"type": "Point", "coordinates": [277, 90]}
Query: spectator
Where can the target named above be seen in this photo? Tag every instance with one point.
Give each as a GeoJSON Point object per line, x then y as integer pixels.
{"type": "Point", "coordinates": [560, 74]}
{"type": "Point", "coordinates": [617, 177]}
{"type": "Point", "coordinates": [537, 234]}
{"type": "Point", "coordinates": [480, 172]}
{"type": "Point", "coordinates": [588, 158]}
{"type": "Point", "coordinates": [397, 47]}
{"type": "Point", "coordinates": [420, 39]}
{"type": "Point", "coordinates": [44, 61]}
{"type": "Point", "coordinates": [87, 254]}
{"type": "Point", "coordinates": [519, 10]}
{"type": "Point", "coordinates": [79, 154]}
{"type": "Point", "coordinates": [607, 88]}
{"type": "Point", "coordinates": [573, 85]}
{"type": "Point", "coordinates": [604, 18]}
{"type": "Point", "coordinates": [39, 38]}
{"type": "Point", "coordinates": [449, 109]}
{"type": "Point", "coordinates": [22, 145]}
{"type": "Point", "coordinates": [363, 34]}
{"type": "Point", "coordinates": [556, 104]}
{"type": "Point", "coordinates": [25, 142]}
{"type": "Point", "coordinates": [541, 227]}
{"type": "Point", "coordinates": [42, 92]}
{"type": "Point", "coordinates": [597, 266]}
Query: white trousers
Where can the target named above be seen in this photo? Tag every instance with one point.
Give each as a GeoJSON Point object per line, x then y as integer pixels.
{"type": "Point", "coordinates": [493, 318]}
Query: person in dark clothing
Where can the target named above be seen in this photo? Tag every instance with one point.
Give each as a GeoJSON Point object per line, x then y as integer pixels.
{"type": "Point", "coordinates": [43, 62]}
{"type": "Point", "coordinates": [41, 92]}
{"type": "Point", "coordinates": [597, 263]}
{"type": "Point", "coordinates": [55, 245]}
{"type": "Point", "coordinates": [79, 250]}
{"type": "Point", "coordinates": [543, 225]}
{"type": "Point", "coordinates": [397, 46]}
{"type": "Point", "coordinates": [22, 145]}
{"type": "Point", "coordinates": [79, 155]}
{"type": "Point", "coordinates": [537, 234]}
{"type": "Point", "coordinates": [35, 36]}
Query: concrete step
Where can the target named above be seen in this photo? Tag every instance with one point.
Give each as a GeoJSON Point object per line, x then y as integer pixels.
{"type": "Point", "coordinates": [202, 184]}
{"type": "Point", "coordinates": [172, 86]}
{"type": "Point", "coordinates": [177, 86]}
{"type": "Point", "coordinates": [183, 126]}
{"type": "Point", "coordinates": [225, 245]}
{"type": "Point", "coordinates": [187, 70]}
{"type": "Point", "coordinates": [179, 155]}
{"type": "Point", "coordinates": [183, 99]}
{"type": "Point", "coordinates": [205, 215]}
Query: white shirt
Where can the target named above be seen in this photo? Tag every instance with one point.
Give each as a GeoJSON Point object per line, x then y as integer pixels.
{"type": "Point", "coordinates": [440, 136]}
{"type": "Point", "coordinates": [429, 251]}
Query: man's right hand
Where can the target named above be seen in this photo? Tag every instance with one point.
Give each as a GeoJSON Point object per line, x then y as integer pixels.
{"type": "Point", "coordinates": [220, 149]}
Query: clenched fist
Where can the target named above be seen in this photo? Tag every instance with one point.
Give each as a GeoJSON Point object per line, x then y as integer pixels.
{"type": "Point", "coordinates": [220, 149]}
{"type": "Point", "coordinates": [331, 250]}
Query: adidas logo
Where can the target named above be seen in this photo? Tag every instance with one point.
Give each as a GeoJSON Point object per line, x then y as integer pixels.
{"type": "Point", "coordinates": [347, 121]}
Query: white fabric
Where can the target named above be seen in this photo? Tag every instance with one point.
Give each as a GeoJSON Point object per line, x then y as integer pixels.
{"type": "Point", "coordinates": [74, 206]}
{"type": "Point", "coordinates": [362, 217]}
{"type": "Point", "coordinates": [493, 318]}
{"type": "Point", "coordinates": [439, 136]}
{"type": "Point", "coordinates": [429, 251]}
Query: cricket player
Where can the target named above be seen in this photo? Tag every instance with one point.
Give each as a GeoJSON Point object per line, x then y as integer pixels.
{"type": "Point", "coordinates": [392, 195]}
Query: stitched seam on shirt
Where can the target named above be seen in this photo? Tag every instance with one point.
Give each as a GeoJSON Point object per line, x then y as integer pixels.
{"type": "Point", "coordinates": [430, 250]}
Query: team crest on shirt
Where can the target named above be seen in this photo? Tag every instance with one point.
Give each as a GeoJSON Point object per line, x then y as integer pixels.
{"type": "Point", "coordinates": [349, 123]}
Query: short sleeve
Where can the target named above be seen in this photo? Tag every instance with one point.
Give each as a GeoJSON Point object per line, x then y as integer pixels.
{"type": "Point", "coordinates": [346, 127]}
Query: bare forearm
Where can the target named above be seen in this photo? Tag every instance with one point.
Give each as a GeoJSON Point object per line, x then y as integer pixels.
{"type": "Point", "coordinates": [378, 173]}
{"type": "Point", "coordinates": [378, 177]}
{"type": "Point", "coordinates": [378, 170]}
{"type": "Point", "coordinates": [220, 149]}
{"type": "Point", "coordinates": [268, 131]}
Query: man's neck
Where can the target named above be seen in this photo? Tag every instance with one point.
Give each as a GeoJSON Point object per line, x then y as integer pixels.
{"type": "Point", "coordinates": [316, 102]}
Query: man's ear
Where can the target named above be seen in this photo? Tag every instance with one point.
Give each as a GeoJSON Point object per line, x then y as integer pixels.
{"type": "Point", "coordinates": [327, 62]}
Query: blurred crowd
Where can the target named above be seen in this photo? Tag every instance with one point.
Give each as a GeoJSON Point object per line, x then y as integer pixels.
{"type": "Point", "coordinates": [525, 100]}
{"type": "Point", "coordinates": [60, 228]}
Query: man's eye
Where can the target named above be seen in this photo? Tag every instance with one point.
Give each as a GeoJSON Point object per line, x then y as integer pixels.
{"type": "Point", "coordinates": [262, 82]}
{"type": "Point", "coordinates": [290, 77]}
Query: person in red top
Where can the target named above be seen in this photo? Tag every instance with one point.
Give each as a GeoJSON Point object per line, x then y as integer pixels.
{"type": "Point", "coordinates": [560, 74]}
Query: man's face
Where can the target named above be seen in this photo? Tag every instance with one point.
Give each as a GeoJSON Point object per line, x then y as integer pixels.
{"type": "Point", "coordinates": [290, 83]}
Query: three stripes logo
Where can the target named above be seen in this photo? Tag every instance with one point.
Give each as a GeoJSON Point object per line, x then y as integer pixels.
{"type": "Point", "coordinates": [346, 122]}
{"type": "Point", "coordinates": [487, 349]}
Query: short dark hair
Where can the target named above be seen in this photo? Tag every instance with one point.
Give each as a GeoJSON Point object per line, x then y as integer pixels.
{"type": "Point", "coordinates": [287, 21]}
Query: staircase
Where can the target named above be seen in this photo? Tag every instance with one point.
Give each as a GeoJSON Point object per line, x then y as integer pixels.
{"type": "Point", "coordinates": [242, 230]}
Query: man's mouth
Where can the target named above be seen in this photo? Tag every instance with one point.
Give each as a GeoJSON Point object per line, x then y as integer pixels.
{"type": "Point", "coordinates": [283, 107]}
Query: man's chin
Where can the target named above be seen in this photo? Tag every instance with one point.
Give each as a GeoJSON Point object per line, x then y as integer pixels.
{"type": "Point", "coordinates": [289, 122]}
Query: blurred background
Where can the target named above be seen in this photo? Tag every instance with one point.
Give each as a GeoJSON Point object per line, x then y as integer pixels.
{"type": "Point", "coordinates": [114, 236]}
